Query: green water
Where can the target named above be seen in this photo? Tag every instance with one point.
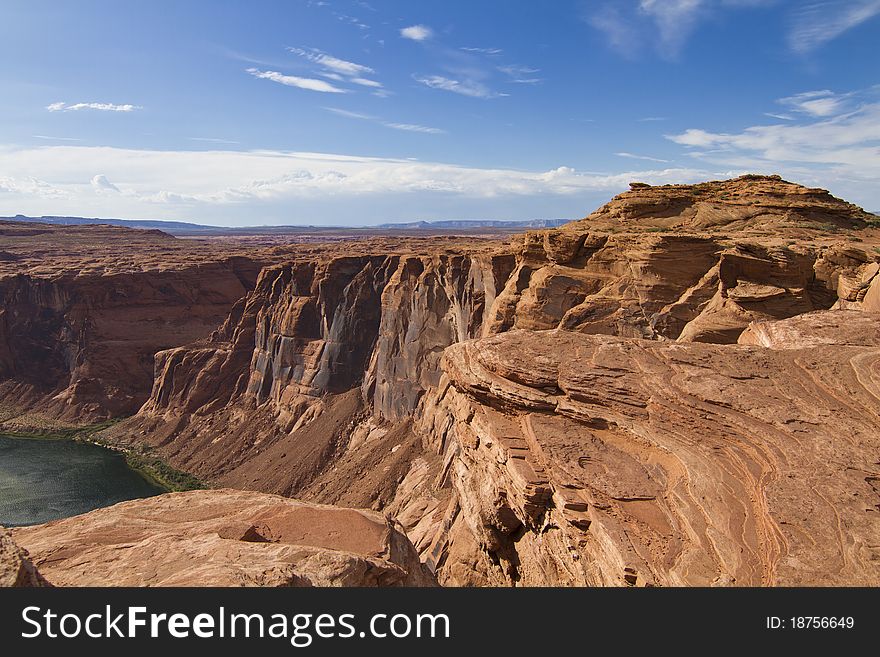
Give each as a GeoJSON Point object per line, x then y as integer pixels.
{"type": "Point", "coordinates": [43, 480]}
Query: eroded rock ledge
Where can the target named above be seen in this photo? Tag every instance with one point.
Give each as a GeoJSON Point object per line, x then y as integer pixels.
{"type": "Point", "coordinates": [595, 460]}
{"type": "Point", "coordinates": [16, 568]}
{"type": "Point", "coordinates": [224, 538]}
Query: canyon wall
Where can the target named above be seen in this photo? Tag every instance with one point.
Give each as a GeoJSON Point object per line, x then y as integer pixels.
{"type": "Point", "coordinates": [82, 347]}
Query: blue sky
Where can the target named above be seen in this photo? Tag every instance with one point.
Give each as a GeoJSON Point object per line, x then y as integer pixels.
{"type": "Point", "coordinates": [350, 112]}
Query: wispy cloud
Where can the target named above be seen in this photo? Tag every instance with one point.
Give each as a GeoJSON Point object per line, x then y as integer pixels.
{"type": "Point", "coordinates": [521, 74]}
{"type": "Point", "coordinates": [649, 119]}
{"type": "Point", "coordinates": [351, 20]}
{"type": "Point", "coordinates": [483, 51]}
{"type": "Point", "coordinates": [349, 114]}
{"type": "Point", "coordinates": [56, 138]}
{"type": "Point", "coordinates": [412, 127]}
{"type": "Point", "coordinates": [666, 23]}
{"type": "Point", "coordinates": [407, 127]}
{"type": "Point", "coordinates": [844, 144]}
{"type": "Point", "coordinates": [309, 84]}
{"type": "Point", "coordinates": [620, 32]}
{"type": "Point", "coordinates": [675, 20]}
{"type": "Point", "coordinates": [816, 23]}
{"type": "Point", "coordinates": [330, 62]}
{"type": "Point", "coordinates": [632, 25]}
{"type": "Point", "coordinates": [417, 32]}
{"type": "Point", "coordinates": [816, 103]}
{"type": "Point", "coordinates": [337, 69]}
{"type": "Point", "coordinates": [633, 156]}
{"type": "Point", "coordinates": [212, 140]}
{"type": "Point", "coordinates": [101, 107]}
{"type": "Point", "coordinates": [471, 88]}
{"type": "Point", "coordinates": [364, 82]}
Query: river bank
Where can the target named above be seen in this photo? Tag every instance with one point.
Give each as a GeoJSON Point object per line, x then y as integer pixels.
{"type": "Point", "coordinates": [139, 459]}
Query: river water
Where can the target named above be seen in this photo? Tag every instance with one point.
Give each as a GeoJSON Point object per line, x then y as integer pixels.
{"type": "Point", "coordinates": [43, 480]}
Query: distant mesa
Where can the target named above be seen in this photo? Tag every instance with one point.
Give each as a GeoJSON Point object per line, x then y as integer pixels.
{"type": "Point", "coordinates": [192, 229]}
{"type": "Point", "coordinates": [474, 223]}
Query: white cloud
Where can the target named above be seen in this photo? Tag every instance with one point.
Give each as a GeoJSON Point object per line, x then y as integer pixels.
{"type": "Point", "coordinates": [816, 23]}
{"type": "Point", "coordinates": [310, 84]}
{"type": "Point", "coordinates": [183, 184]}
{"type": "Point", "coordinates": [103, 107]}
{"type": "Point", "coordinates": [471, 88]}
{"type": "Point", "coordinates": [417, 32]}
{"type": "Point", "coordinates": [633, 156]}
{"type": "Point", "coordinates": [101, 184]}
{"type": "Point", "coordinates": [31, 188]}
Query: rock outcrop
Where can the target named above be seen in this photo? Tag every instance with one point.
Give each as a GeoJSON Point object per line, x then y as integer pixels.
{"type": "Point", "coordinates": [224, 538]}
{"type": "Point", "coordinates": [849, 328]}
{"type": "Point", "coordinates": [595, 460]}
{"type": "Point", "coordinates": [16, 568]}
{"type": "Point", "coordinates": [744, 204]}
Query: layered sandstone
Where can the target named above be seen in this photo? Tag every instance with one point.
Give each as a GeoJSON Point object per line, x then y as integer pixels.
{"type": "Point", "coordinates": [595, 460]}
{"type": "Point", "coordinates": [224, 538]}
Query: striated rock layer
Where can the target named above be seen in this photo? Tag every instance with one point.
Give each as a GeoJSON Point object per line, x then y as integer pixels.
{"type": "Point", "coordinates": [597, 460]}
{"type": "Point", "coordinates": [224, 538]}
{"type": "Point", "coordinates": [84, 309]}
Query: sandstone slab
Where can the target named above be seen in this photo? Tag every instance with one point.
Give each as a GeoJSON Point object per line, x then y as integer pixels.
{"type": "Point", "coordinates": [224, 538]}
